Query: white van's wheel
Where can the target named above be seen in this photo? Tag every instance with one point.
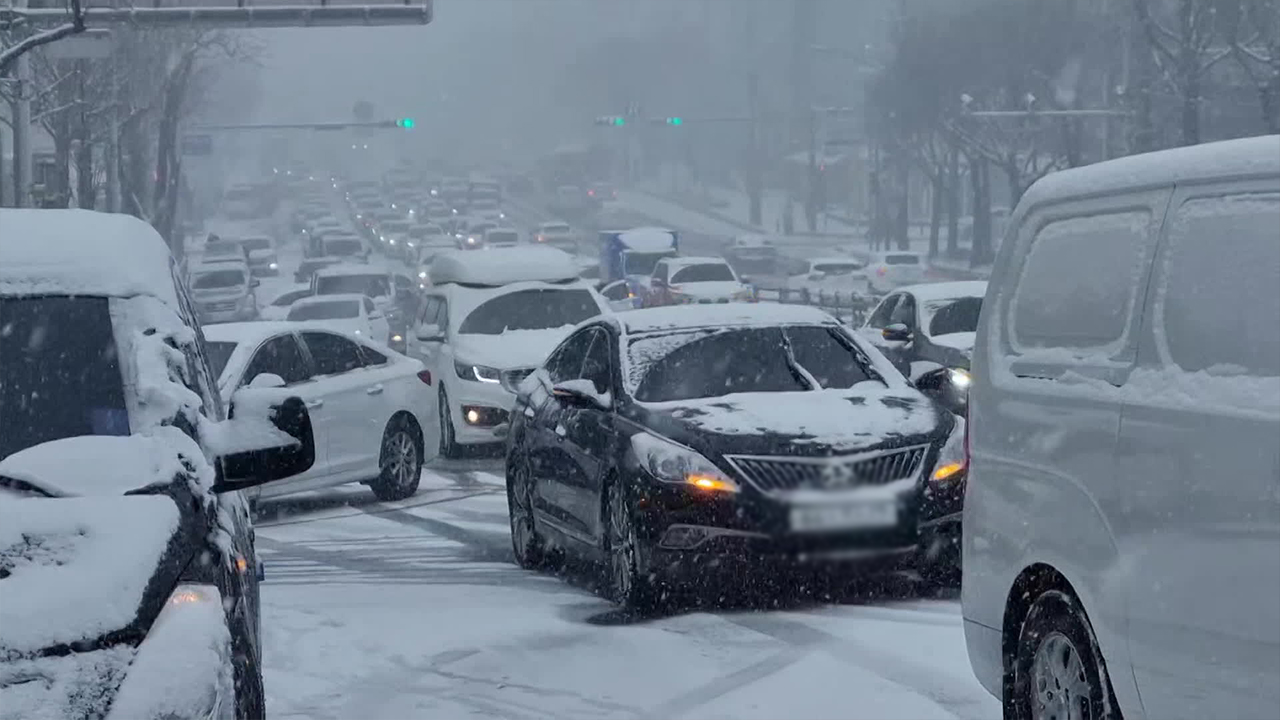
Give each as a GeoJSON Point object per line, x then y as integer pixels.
{"type": "Point", "coordinates": [1058, 672]}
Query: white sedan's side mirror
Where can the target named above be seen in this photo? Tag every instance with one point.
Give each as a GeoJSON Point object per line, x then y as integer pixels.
{"type": "Point", "coordinates": [266, 380]}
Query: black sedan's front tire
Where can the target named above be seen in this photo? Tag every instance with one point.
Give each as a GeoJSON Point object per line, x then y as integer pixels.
{"type": "Point", "coordinates": [526, 543]}
{"type": "Point", "coordinates": [629, 585]}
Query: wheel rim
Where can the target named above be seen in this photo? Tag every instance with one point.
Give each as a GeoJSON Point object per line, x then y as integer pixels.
{"type": "Point", "coordinates": [521, 512]}
{"type": "Point", "coordinates": [622, 545]}
{"type": "Point", "coordinates": [401, 458]}
{"type": "Point", "coordinates": [1060, 687]}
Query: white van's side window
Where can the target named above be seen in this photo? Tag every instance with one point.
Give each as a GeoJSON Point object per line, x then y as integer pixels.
{"type": "Point", "coordinates": [1080, 280]}
{"type": "Point", "coordinates": [1217, 303]}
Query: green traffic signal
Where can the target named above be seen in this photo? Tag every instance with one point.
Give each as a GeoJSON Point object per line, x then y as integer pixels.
{"type": "Point", "coordinates": [675, 121]}
{"type": "Point", "coordinates": [406, 123]}
{"type": "Point", "coordinates": [619, 121]}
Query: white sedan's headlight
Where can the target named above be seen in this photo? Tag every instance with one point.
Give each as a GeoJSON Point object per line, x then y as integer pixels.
{"type": "Point", "coordinates": [476, 373]}
{"type": "Point", "coordinates": [675, 463]}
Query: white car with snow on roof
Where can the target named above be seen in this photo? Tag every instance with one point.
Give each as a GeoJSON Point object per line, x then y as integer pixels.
{"type": "Point", "coordinates": [372, 409]}
{"type": "Point", "coordinates": [924, 327]}
{"type": "Point", "coordinates": [130, 580]}
{"type": "Point", "coordinates": [845, 275]}
{"type": "Point", "coordinates": [683, 446]}
{"type": "Point", "coordinates": [694, 280]}
{"type": "Point", "coordinates": [278, 307]}
{"type": "Point", "coordinates": [350, 313]}
{"type": "Point", "coordinates": [487, 320]}
{"type": "Point", "coordinates": [893, 269]}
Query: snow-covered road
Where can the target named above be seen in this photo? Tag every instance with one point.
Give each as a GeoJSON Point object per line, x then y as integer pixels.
{"type": "Point", "coordinates": [414, 609]}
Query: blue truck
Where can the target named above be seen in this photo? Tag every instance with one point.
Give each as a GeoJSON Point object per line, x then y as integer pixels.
{"type": "Point", "coordinates": [631, 255]}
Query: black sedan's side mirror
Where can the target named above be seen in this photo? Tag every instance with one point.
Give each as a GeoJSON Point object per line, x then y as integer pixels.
{"type": "Point", "coordinates": [267, 437]}
{"type": "Point", "coordinates": [896, 332]}
{"type": "Point", "coordinates": [949, 387]}
{"type": "Point", "coordinates": [582, 393]}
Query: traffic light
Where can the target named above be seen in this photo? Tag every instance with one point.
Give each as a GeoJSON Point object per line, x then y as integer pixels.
{"type": "Point", "coordinates": [406, 123]}
{"type": "Point", "coordinates": [613, 120]}
{"type": "Point", "coordinates": [675, 121]}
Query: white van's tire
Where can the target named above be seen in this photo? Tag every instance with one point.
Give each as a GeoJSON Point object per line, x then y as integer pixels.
{"type": "Point", "coordinates": [1057, 664]}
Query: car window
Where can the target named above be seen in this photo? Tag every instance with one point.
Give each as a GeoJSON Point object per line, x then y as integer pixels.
{"type": "Point", "coordinates": [616, 291]}
{"type": "Point", "coordinates": [368, 306]}
{"type": "Point", "coordinates": [371, 357]}
{"type": "Point", "coordinates": [332, 354]}
{"type": "Point", "coordinates": [217, 279]}
{"type": "Point", "coordinates": [829, 356]}
{"type": "Point", "coordinates": [954, 316]}
{"type": "Point", "coordinates": [883, 314]}
{"type": "Point", "coordinates": [709, 272]}
{"type": "Point", "coordinates": [727, 362]}
{"type": "Point", "coordinates": [279, 356]}
{"type": "Point", "coordinates": [596, 367]}
{"type": "Point", "coordinates": [660, 271]}
{"type": "Point", "coordinates": [290, 298]}
{"type": "Point", "coordinates": [530, 310]}
{"type": "Point", "coordinates": [372, 285]}
{"type": "Point", "coordinates": [219, 353]}
{"type": "Point", "coordinates": [565, 363]}
{"type": "Point", "coordinates": [904, 312]}
{"type": "Point", "coordinates": [1218, 306]}
{"type": "Point", "coordinates": [902, 259]}
{"type": "Point", "coordinates": [427, 315]}
{"type": "Point", "coordinates": [1078, 283]}
{"type": "Point", "coordinates": [59, 371]}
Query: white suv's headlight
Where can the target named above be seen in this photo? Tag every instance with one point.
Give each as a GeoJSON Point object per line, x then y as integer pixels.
{"type": "Point", "coordinates": [675, 463]}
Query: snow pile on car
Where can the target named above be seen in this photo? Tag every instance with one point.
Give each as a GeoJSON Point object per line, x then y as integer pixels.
{"type": "Point", "coordinates": [647, 239]}
{"type": "Point", "coordinates": [82, 252]}
{"type": "Point", "coordinates": [503, 266]}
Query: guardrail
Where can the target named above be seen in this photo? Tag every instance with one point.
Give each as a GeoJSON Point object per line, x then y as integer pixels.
{"type": "Point", "coordinates": [850, 307]}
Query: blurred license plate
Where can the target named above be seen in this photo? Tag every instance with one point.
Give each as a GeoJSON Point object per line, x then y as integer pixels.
{"type": "Point", "coordinates": [844, 516]}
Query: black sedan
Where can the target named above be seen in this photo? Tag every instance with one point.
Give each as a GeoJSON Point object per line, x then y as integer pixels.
{"type": "Point", "coordinates": [670, 441]}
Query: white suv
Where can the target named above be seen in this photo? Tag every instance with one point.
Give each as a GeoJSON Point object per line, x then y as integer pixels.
{"type": "Point", "coordinates": [488, 319]}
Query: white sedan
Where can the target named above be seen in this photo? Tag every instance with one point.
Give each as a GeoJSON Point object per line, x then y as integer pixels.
{"type": "Point", "coordinates": [350, 312]}
{"type": "Point", "coordinates": [373, 411]}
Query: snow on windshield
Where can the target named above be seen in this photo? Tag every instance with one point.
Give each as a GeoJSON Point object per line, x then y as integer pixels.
{"type": "Point", "coordinates": [217, 279]}
{"type": "Point", "coordinates": [530, 310]}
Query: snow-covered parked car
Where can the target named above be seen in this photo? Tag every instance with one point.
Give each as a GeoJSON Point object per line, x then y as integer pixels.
{"type": "Point", "coordinates": [127, 568]}
{"type": "Point", "coordinates": [924, 327]}
{"type": "Point", "coordinates": [692, 280]}
{"type": "Point", "coordinates": [350, 313]}
{"type": "Point", "coordinates": [488, 319]}
{"type": "Point", "coordinates": [673, 443]}
{"type": "Point", "coordinates": [223, 291]}
{"type": "Point", "coordinates": [557, 234]}
{"type": "Point", "coordinates": [372, 410]}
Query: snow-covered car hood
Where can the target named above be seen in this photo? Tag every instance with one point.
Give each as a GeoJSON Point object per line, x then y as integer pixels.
{"type": "Point", "coordinates": [797, 423]}
{"type": "Point", "coordinates": [102, 465]}
{"type": "Point", "coordinates": [76, 569]}
{"type": "Point", "coordinates": [962, 341]}
{"type": "Point", "coordinates": [709, 290]}
{"type": "Point", "coordinates": [510, 350]}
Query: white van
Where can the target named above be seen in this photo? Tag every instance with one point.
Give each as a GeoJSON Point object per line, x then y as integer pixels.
{"type": "Point", "coordinates": [1121, 543]}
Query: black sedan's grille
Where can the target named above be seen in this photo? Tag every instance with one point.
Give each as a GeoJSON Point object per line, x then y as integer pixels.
{"type": "Point", "coordinates": [511, 379]}
{"type": "Point", "coordinates": [774, 475]}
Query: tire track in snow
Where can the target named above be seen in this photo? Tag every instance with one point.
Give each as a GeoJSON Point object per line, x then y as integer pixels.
{"type": "Point", "coordinates": [965, 700]}
{"type": "Point", "coordinates": [721, 686]}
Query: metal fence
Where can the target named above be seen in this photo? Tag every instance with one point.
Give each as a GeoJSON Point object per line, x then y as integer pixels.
{"type": "Point", "coordinates": [850, 307]}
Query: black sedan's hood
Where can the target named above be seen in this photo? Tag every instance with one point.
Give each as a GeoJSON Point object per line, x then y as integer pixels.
{"type": "Point", "coordinates": [811, 424]}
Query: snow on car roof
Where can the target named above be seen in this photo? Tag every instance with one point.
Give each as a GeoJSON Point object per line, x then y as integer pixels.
{"type": "Point", "coordinates": [1229, 158]}
{"type": "Point", "coordinates": [325, 299]}
{"type": "Point", "coordinates": [928, 292]}
{"type": "Point", "coordinates": [752, 240]}
{"type": "Point", "coordinates": [82, 252]}
{"type": "Point", "coordinates": [722, 315]}
{"type": "Point", "coordinates": [502, 266]}
{"type": "Point", "coordinates": [647, 239]}
{"type": "Point", "coordinates": [684, 261]}
{"type": "Point", "coordinates": [351, 269]}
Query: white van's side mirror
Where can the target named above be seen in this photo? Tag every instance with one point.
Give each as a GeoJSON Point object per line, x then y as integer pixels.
{"type": "Point", "coordinates": [429, 333]}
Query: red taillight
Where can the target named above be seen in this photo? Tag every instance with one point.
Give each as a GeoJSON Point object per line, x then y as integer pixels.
{"type": "Point", "coordinates": [592, 193]}
{"type": "Point", "coordinates": [882, 270]}
{"type": "Point", "coordinates": [425, 376]}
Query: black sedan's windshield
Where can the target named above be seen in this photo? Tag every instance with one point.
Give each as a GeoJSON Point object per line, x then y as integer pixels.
{"type": "Point", "coordinates": [59, 372]}
{"type": "Point", "coordinates": [700, 365]}
{"type": "Point", "coordinates": [530, 310]}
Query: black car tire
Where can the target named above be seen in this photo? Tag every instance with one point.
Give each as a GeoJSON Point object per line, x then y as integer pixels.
{"type": "Point", "coordinates": [628, 584]}
{"type": "Point", "coordinates": [527, 543]}
{"type": "Point", "coordinates": [1057, 630]}
{"type": "Point", "coordinates": [399, 461]}
{"type": "Point", "coordinates": [449, 447]}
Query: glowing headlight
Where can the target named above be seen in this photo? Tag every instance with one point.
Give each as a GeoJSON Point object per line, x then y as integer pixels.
{"type": "Point", "coordinates": [422, 274]}
{"type": "Point", "coordinates": [476, 373]}
{"type": "Point", "coordinates": [960, 379]}
{"type": "Point", "coordinates": [274, 266]}
{"type": "Point", "coordinates": [674, 463]}
{"type": "Point", "coordinates": [397, 338]}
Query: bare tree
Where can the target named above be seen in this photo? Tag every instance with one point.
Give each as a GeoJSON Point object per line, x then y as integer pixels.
{"type": "Point", "coordinates": [1255, 44]}
{"type": "Point", "coordinates": [73, 25]}
{"type": "Point", "coordinates": [1185, 45]}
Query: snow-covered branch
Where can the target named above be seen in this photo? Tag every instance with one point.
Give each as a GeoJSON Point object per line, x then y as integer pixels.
{"type": "Point", "coordinates": [44, 37]}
